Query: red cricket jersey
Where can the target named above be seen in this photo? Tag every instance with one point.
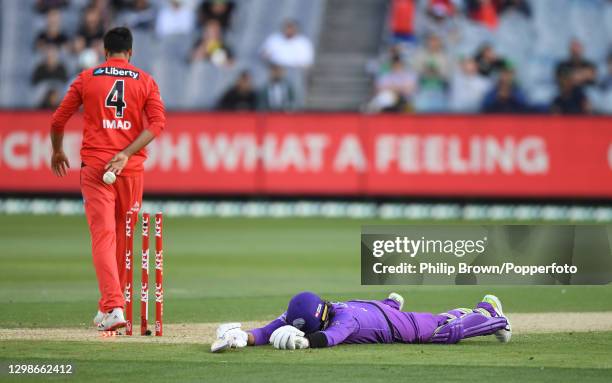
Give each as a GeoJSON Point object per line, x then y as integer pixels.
{"type": "Point", "coordinates": [114, 96]}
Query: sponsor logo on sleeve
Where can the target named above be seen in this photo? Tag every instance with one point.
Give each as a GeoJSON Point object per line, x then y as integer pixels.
{"type": "Point", "coordinates": [116, 72]}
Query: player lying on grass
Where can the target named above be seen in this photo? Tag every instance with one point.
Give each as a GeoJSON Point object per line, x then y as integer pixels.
{"type": "Point", "coordinates": [311, 322]}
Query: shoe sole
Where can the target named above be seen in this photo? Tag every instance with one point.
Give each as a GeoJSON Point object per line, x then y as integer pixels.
{"type": "Point", "coordinates": [97, 323]}
{"type": "Point", "coordinates": [400, 301]}
{"type": "Point", "coordinates": [219, 345]}
{"type": "Point", "coordinates": [501, 335]}
{"type": "Point", "coordinates": [114, 327]}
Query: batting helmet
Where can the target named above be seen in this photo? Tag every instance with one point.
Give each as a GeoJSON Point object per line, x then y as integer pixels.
{"type": "Point", "coordinates": [307, 312]}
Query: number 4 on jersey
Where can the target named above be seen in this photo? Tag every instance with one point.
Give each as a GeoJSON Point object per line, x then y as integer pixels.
{"type": "Point", "coordinates": [115, 98]}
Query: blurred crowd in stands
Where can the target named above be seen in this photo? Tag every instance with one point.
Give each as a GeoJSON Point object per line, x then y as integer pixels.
{"type": "Point", "coordinates": [421, 71]}
{"type": "Point", "coordinates": [426, 64]}
{"type": "Point", "coordinates": [64, 55]}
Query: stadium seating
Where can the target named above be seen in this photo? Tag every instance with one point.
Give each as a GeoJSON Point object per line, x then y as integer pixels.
{"type": "Point", "coordinates": [533, 44]}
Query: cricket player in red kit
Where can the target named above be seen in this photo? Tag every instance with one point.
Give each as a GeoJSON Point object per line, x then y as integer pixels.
{"type": "Point", "coordinates": [114, 95]}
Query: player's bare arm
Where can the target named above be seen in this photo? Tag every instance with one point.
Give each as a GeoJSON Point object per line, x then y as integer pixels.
{"type": "Point", "coordinates": [118, 162]}
{"type": "Point", "coordinates": [71, 103]}
{"type": "Point", "coordinates": [59, 160]}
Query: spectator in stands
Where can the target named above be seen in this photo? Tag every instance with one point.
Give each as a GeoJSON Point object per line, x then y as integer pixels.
{"type": "Point", "coordinates": [606, 82]}
{"type": "Point", "coordinates": [571, 98]}
{"type": "Point", "coordinates": [52, 35]}
{"type": "Point", "coordinates": [432, 62]}
{"type": "Point", "coordinates": [139, 15]}
{"type": "Point", "coordinates": [468, 88]}
{"type": "Point", "coordinates": [50, 68]}
{"type": "Point", "coordinates": [289, 49]}
{"type": "Point", "coordinates": [447, 6]}
{"type": "Point", "coordinates": [440, 20]}
{"type": "Point", "coordinates": [383, 62]}
{"type": "Point", "coordinates": [91, 30]}
{"type": "Point", "coordinates": [277, 94]}
{"type": "Point", "coordinates": [122, 5]}
{"type": "Point", "coordinates": [104, 9]}
{"type": "Point", "coordinates": [506, 96]}
{"type": "Point", "coordinates": [51, 99]}
{"type": "Point", "coordinates": [394, 89]}
{"type": "Point", "coordinates": [483, 12]}
{"type": "Point", "coordinates": [44, 6]}
{"type": "Point", "coordinates": [603, 95]}
{"type": "Point", "coordinates": [402, 20]}
{"type": "Point", "coordinates": [175, 18]}
{"type": "Point", "coordinates": [488, 61]}
{"type": "Point", "coordinates": [520, 6]}
{"type": "Point", "coordinates": [241, 96]}
{"type": "Point", "coordinates": [216, 10]}
{"type": "Point", "coordinates": [211, 46]}
{"type": "Point", "coordinates": [433, 66]}
{"type": "Point", "coordinates": [582, 70]}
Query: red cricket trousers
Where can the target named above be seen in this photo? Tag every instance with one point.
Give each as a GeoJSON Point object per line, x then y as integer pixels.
{"type": "Point", "coordinates": [106, 207]}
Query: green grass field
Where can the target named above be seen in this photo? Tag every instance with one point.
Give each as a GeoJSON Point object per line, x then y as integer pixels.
{"type": "Point", "coordinates": [246, 269]}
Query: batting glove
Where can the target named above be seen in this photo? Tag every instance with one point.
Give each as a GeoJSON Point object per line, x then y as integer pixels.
{"type": "Point", "coordinates": [283, 338]}
{"type": "Point", "coordinates": [301, 342]}
{"type": "Point", "coordinates": [233, 334]}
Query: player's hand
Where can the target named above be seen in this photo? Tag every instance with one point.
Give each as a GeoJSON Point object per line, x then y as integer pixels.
{"type": "Point", "coordinates": [225, 327]}
{"type": "Point", "coordinates": [301, 342]}
{"type": "Point", "coordinates": [237, 338]}
{"type": "Point", "coordinates": [283, 332]}
{"type": "Point", "coordinates": [229, 335]}
{"type": "Point", "coordinates": [117, 163]}
{"type": "Point", "coordinates": [283, 338]}
{"type": "Point", "coordinates": [233, 339]}
{"type": "Point", "coordinates": [59, 163]}
{"type": "Point", "coordinates": [233, 333]}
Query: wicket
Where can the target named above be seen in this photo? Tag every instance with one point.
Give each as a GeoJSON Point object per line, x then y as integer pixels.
{"type": "Point", "coordinates": [130, 223]}
{"type": "Point", "coordinates": [144, 286]}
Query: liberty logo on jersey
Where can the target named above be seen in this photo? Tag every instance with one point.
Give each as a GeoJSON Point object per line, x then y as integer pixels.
{"type": "Point", "coordinates": [116, 72]}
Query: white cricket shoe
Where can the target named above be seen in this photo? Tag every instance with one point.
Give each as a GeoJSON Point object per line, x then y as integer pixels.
{"type": "Point", "coordinates": [98, 318]}
{"type": "Point", "coordinates": [220, 345]}
{"type": "Point", "coordinates": [112, 320]}
{"type": "Point", "coordinates": [503, 335]}
{"type": "Point", "coordinates": [398, 298]}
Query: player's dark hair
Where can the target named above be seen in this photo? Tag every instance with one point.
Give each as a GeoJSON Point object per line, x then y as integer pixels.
{"type": "Point", "coordinates": [118, 40]}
